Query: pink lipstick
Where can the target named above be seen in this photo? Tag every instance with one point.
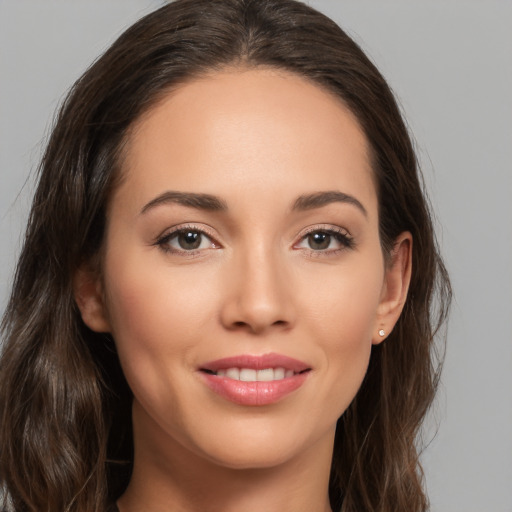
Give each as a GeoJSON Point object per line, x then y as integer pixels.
{"type": "Point", "coordinates": [255, 380]}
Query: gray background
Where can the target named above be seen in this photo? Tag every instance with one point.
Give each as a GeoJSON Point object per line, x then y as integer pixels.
{"type": "Point", "coordinates": [450, 63]}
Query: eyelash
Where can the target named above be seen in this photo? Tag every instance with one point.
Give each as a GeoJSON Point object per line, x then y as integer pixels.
{"type": "Point", "coordinates": [163, 241]}
{"type": "Point", "coordinates": [340, 235]}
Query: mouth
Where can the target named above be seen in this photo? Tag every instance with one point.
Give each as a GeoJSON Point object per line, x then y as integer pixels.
{"type": "Point", "coordinates": [255, 380]}
{"type": "Point", "coordinates": [252, 375]}
{"type": "Point", "coordinates": [261, 368]}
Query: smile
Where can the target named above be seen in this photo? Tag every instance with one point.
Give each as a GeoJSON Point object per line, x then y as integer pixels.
{"type": "Point", "coordinates": [251, 375]}
{"type": "Point", "coordinates": [255, 380]}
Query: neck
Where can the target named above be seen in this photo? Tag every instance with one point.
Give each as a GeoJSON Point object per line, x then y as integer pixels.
{"type": "Point", "coordinates": [171, 478]}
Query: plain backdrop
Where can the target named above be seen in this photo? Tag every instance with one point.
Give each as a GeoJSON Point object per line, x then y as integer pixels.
{"type": "Point", "coordinates": [450, 64]}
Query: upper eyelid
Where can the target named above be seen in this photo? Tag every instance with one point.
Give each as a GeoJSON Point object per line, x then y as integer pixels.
{"type": "Point", "coordinates": [326, 228]}
{"type": "Point", "coordinates": [178, 228]}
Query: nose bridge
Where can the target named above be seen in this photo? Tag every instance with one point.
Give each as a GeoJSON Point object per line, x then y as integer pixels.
{"type": "Point", "coordinates": [259, 297]}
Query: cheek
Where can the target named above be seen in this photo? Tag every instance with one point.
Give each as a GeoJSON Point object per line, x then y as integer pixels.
{"type": "Point", "coordinates": [345, 307]}
{"type": "Point", "coordinates": [145, 300]}
{"type": "Point", "coordinates": [155, 314]}
{"type": "Point", "coordinates": [342, 320]}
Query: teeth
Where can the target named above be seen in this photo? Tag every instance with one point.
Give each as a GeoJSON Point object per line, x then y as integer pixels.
{"type": "Point", "coordinates": [251, 375]}
{"type": "Point", "coordinates": [247, 375]}
{"type": "Point", "coordinates": [279, 373]}
{"type": "Point", "coordinates": [265, 375]}
{"type": "Point", "coordinates": [233, 373]}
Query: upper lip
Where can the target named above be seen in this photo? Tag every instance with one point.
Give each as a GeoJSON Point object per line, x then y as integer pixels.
{"type": "Point", "coordinates": [256, 362]}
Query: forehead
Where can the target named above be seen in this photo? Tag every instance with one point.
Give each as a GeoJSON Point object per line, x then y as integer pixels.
{"type": "Point", "coordinates": [256, 130]}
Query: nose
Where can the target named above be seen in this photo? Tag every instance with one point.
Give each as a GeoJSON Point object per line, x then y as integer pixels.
{"type": "Point", "coordinates": [259, 295]}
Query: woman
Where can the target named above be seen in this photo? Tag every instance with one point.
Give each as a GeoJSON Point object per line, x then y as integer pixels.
{"type": "Point", "coordinates": [224, 297]}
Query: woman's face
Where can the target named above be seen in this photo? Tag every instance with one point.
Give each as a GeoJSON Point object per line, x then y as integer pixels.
{"type": "Point", "coordinates": [244, 281]}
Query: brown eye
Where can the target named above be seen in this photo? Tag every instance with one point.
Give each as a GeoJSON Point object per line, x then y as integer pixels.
{"type": "Point", "coordinates": [189, 240]}
{"type": "Point", "coordinates": [328, 241]}
{"type": "Point", "coordinates": [186, 240]}
{"type": "Point", "coordinates": [319, 241]}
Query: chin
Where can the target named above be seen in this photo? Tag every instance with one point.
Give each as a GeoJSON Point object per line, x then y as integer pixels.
{"type": "Point", "coordinates": [262, 446]}
{"type": "Point", "coordinates": [251, 457]}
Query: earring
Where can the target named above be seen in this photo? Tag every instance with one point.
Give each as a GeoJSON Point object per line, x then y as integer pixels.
{"type": "Point", "coordinates": [382, 332]}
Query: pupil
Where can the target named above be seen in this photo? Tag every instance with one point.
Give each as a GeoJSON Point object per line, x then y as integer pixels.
{"type": "Point", "coordinates": [189, 240]}
{"type": "Point", "coordinates": [319, 240]}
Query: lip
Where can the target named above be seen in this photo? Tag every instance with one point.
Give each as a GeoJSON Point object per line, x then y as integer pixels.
{"type": "Point", "coordinates": [271, 360]}
{"type": "Point", "coordinates": [254, 393]}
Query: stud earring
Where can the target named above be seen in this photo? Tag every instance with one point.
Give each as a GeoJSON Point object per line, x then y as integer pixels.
{"type": "Point", "coordinates": [382, 332]}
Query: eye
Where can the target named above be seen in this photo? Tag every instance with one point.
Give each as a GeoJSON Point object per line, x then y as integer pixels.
{"type": "Point", "coordinates": [186, 240]}
{"type": "Point", "coordinates": [325, 240]}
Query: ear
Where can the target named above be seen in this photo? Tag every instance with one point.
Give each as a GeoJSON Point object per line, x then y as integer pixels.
{"type": "Point", "coordinates": [394, 290]}
{"type": "Point", "coordinates": [89, 297]}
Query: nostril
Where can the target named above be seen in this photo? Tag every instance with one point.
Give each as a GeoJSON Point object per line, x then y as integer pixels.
{"type": "Point", "coordinates": [258, 327]}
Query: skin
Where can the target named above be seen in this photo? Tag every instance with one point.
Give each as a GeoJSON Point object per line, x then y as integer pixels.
{"type": "Point", "coordinates": [256, 139]}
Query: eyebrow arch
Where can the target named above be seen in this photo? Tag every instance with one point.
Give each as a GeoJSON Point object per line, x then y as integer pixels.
{"type": "Point", "coordinates": [190, 199]}
{"type": "Point", "coordinates": [319, 199]}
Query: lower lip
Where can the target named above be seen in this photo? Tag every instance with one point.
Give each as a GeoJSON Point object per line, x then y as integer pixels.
{"type": "Point", "coordinates": [254, 393]}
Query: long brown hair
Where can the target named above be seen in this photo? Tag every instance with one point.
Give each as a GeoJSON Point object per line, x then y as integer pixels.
{"type": "Point", "coordinates": [66, 441]}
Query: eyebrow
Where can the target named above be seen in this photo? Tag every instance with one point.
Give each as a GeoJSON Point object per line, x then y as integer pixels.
{"type": "Point", "coordinates": [192, 200]}
{"type": "Point", "coordinates": [209, 202]}
{"type": "Point", "coordinates": [319, 199]}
